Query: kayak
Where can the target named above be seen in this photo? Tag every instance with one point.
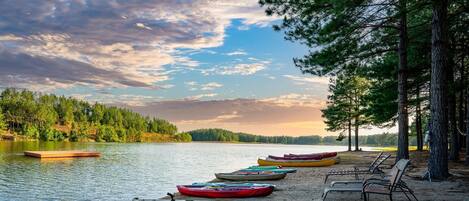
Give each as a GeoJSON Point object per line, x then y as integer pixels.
{"type": "Point", "coordinates": [297, 163]}
{"type": "Point", "coordinates": [222, 184]}
{"type": "Point", "coordinates": [264, 167]}
{"type": "Point", "coordinates": [250, 176]}
{"type": "Point", "coordinates": [225, 191]}
{"type": "Point", "coordinates": [321, 155]}
{"type": "Point", "coordinates": [279, 170]}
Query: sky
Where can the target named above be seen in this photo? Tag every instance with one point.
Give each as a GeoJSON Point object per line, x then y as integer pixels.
{"type": "Point", "coordinates": [198, 64]}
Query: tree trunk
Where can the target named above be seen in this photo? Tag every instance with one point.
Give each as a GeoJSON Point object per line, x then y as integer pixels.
{"type": "Point", "coordinates": [350, 127]}
{"type": "Point", "coordinates": [467, 130]}
{"type": "Point", "coordinates": [418, 122]}
{"type": "Point", "coordinates": [438, 161]}
{"type": "Point", "coordinates": [403, 119]}
{"type": "Point", "coordinates": [454, 141]}
{"type": "Point", "coordinates": [461, 111]}
{"type": "Point", "coordinates": [356, 133]}
{"type": "Point", "coordinates": [350, 134]}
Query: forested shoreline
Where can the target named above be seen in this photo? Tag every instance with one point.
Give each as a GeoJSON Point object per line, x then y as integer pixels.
{"type": "Point", "coordinates": [47, 117]}
{"type": "Point", "coordinates": [222, 135]}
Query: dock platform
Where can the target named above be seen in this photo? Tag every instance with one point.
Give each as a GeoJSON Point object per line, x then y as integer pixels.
{"type": "Point", "coordinates": [61, 154]}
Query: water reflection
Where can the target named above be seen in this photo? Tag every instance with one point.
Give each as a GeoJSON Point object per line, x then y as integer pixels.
{"type": "Point", "coordinates": [124, 171]}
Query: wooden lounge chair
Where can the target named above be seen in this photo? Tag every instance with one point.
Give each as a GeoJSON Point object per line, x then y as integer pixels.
{"type": "Point", "coordinates": [372, 169]}
{"type": "Point", "coordinates": [388, 187]}
{"type": "Point", "coordinates": [384, 186]}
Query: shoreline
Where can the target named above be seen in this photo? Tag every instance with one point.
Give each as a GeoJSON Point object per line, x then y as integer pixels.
{"type": "Point", "coordinates": [308, 183]}
{"type": "Point", "coordinates": [20, 138]}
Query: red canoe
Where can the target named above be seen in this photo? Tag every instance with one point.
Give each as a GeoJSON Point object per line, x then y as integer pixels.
{"type": "Point", "coordinates": [316, 156]}
{"type": "Point", "coordinates": [226, 191]}
{"type": "Point", "coordinates": [295, 158]}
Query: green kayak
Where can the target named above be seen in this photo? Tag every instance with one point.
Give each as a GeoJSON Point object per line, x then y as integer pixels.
{"type": "Point", "coordinates": [263, 167]}
{"type": "Point", "coordinates": [245, 176]}
{"type": "Point", "coordinates": [269, 170]}
{"type": "Point", "coordinates": [275, 169]}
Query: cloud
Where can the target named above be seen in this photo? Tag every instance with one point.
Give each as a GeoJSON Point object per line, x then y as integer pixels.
{"type": "Point", "coordinates": [194, 86]}
{"type": "Point", "coordinates": [237, 69]}
{"type": "Point", "coordinates": [131, 100]}
{"type": "Point", "coordinates": [23, 70]}
{"type": "Point", "coordinates": [135, 39]}
{"type": "Point", "coordinates": [291, 114]}
{"type": "Point", "coordinates": [300, 80]}
{"type": "Point", "coordinates": [237, 52]}
{"type": "Point", "coordinates": [293, 99]}
{"type": "Point", "coordinates": [200, 96]}
{"type": "Point", "coordinates": [243, 69]}
{"type": "Point", "coordinates": [141, 25]}
{"type": "Point", "coordinates": [210, 86]}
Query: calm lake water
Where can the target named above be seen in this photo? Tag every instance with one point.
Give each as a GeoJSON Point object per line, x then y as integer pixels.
{"type": "Point", "coordinates": [124, 171]}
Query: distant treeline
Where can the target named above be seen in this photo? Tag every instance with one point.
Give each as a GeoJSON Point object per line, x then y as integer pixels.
{"type": "Point", "coordinates": [221, 135]}
{"type": "Point", "coordinates": [55, 118]}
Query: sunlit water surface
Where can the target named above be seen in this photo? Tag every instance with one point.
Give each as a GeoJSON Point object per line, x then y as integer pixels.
{"type": "Point", "coordinates": [124, 171]}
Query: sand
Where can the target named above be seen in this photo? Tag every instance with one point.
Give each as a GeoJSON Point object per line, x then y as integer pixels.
{"type": "Point", "coordinates": [308, 183]}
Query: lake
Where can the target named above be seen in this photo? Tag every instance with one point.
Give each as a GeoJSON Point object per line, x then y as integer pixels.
{"type": "Point", "coordinates": [124, 171]}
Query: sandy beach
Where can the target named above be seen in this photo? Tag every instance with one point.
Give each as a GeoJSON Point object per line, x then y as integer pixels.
{"type": "Point", "coordinates": [308, 183]}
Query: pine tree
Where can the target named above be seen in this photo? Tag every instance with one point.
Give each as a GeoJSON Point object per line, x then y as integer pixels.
{"type": "Point", "coordinates": [346, 104]}
{"type": "Point", "coordinates": [3, 125]}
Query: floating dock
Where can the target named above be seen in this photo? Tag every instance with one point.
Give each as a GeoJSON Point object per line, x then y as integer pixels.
{"type": "Point", "coordinates": [61, 154]}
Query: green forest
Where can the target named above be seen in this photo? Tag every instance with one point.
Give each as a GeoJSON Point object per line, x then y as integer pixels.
{"type": "Point", "coordinates": [49, 117]}
{"type": "Point", "coordinates": [222, 135]}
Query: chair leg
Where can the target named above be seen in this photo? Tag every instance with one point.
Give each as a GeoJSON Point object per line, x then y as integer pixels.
{"type": "Point", "coordinates": [324, 195]}
{"type": "Point", "coordinates": [408, 198]}
{"type": "Point", "coordinates": [364, 196]}
{"type": "Point", "coordinates": [325, 179]}
{"type": "Point", "coordinates": [412, 193]}
{"type": "Point", "coordinates": [390, 197]}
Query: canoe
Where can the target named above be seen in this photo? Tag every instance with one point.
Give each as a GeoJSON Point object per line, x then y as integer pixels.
{"type": "Point", "coordinates": [248, 176]}
{"type": "Point", "coordinates": [302, 160]}
{"type": "Point", "coordinates": [322, 155]}
{"type": "Point", "coordinates": [225, 192]}
{"type": "Point", "coordinates": [296, 158]}
{"type": "Point", "coordinates": [297, 163]}
{"type": "Point", "coordinates": [279, 170]}
{"type": "Point", "coordinates": [222, 184]}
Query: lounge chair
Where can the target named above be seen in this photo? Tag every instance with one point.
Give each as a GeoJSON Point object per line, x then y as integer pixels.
{"type": "Point", "coordinates": [387, 187]}
{"type": "Point", "coordinates": [372, 169]}
{"type": "Point", "coordinates": [394, 183]}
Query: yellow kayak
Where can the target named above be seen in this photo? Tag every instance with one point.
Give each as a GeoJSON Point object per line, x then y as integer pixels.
{"type": "Point", "coordinates": [297, 163]}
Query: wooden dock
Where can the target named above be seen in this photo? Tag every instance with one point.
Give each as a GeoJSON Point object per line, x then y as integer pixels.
{"type": "Point", "coordinates": [61, 154]}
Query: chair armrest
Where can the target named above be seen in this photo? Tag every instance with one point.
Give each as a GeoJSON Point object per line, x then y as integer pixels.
{"type": "Point", "coordinates": [375, 181]}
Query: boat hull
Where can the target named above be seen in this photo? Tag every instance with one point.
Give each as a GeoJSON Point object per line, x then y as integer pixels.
{"type": "Point", "coordinates": [280, 170]}
{"type": "Point", "coordinates": [264, 167]}
{"type": "Point", "coordinates": [225, 192]}
{"type": "Point", "coordinates": [297, 163]}
{"type": "Point", "coordinates": [316, 156]}
{"type": "Point", "coordinates": [223, 184]}
{"type": "Point", "coordinates": [250, 177]}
